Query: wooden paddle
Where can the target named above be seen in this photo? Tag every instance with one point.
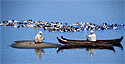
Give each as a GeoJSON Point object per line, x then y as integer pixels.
{"type": "Point", "coordinates": [86, 36]}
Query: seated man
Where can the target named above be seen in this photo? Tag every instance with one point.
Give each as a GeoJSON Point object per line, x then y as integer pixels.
{"type": "Point", "coordinates": [38, 38]}
{"type": "Point", "coordinates": [91, 37]}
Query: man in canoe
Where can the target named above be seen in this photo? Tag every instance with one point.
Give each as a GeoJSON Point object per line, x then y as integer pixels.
{"type": "Point", "coordinates": [39, 38]}
{"type": "Point", "coordinates": [91, 37]}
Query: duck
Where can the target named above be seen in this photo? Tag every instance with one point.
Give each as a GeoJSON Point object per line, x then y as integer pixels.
{"type": "Point", "coordinates": [99, 29]}
{"type": "Point", "coordinates": [6, 24]}
{"type": "Point", "coordinates": [25, 21]}
{"type": "Point", "coordinates": [23, 25]}
{"type": "Point", "coordinates": [65, 23]}
{"type": "Point", "coordinates": [114, 27]}
{"type": "Point", "coordinates": [109, 27]}
{"type": "Point", "coordinates": [84, 28]}
{"type": "Point", "coordinates": [122, 25]}
{"type": "Point", "coordinates": [31, 25]}
{"type": "Point", "coordinates": [15, 21]}
{"type": "Point", "coordinates": [104, 23]}
{"type": "Point", "coordinates": [10, 21]}
{"type": "Point", "coordinates": [102, 27]}
{"type": "Point", "coordinates": [1, 23]}
{"type": "Point", "coordinates": [11, 24]}
{"type": "Point", "coordinates": [36, 28]}
{"type": "Point", "coordinates": [16, 26]}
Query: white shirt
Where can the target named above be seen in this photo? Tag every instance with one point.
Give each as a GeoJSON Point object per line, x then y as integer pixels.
{"type": "Point", "coordinates": [38, 38]}
{"type": "Point", "coordinates": [92, 37]}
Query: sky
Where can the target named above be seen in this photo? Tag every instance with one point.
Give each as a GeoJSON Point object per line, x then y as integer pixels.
{"type": "Point", "coordinates": [71, 11]}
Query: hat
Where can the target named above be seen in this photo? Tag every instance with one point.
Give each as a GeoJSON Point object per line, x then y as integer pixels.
{"type": "Point", "coordinates": [91, 31]}
{"type": "Point", "coordinates": [40, 32]}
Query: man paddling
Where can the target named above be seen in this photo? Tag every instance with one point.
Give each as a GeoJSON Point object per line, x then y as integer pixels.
{"type": "Point", "coordinates": [91, 37]}
{"type": "Point", "coordinates": [39, 38]}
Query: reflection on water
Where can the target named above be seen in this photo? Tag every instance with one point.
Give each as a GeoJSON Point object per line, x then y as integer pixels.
{"type": "Point", "coordinates": [92, 51]}
{"type": "Point", "coordinates": [39, 52]}
{"type": "Point", "coordinates": [89, 49]}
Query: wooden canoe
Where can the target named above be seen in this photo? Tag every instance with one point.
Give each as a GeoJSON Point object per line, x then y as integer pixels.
{"type": "Point", "coordinates": [31, 45]}
{"type": "Point", "coordinates": [114, 42]}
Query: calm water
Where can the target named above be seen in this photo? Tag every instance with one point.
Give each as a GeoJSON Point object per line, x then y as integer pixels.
{"type": "Point", "coordinates": [13, 55]}
{"type": "Point", "coordinates": [110, 11]}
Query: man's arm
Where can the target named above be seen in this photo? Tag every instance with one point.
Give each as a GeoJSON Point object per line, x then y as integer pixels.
{"type": "Point", "coordinates": [88, 36]}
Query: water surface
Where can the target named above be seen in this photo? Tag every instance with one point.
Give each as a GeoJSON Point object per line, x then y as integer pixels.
{"type": "Point", "coordinates": [110, 11]}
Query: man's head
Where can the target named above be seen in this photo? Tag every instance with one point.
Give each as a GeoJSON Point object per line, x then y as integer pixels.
{"type": "Point", "coordinates": [40, 32]}
{"type": "Point", "coordinates": [91, 32]}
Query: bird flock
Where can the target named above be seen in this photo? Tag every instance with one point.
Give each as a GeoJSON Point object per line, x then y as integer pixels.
{"type": "Point", "coordinates": [60, 27]}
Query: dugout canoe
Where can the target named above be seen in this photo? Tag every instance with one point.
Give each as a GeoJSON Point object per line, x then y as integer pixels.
{"type": "Point", "coordinates": [69, 41]}
{"type": "Point", "coordinates": [31, 45]}
{"type": "Point", "coordinates": [86, 43]}
{"type": "Point", "coordinates": [116, 40]}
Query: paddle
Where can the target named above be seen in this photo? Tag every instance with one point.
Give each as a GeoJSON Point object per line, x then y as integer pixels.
{"type": "Point", "coordinates": [86, 36]}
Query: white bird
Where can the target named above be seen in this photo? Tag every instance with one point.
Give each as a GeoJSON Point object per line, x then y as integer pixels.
{"type": "Point", "coordinates": [10, 21]}
{"type": "Point", "coordinates": [15, 25]}
{"type": "Point", "coordinates": [15, 21]}
{"type": "Point", "coordinates": [115, 27]}
{"type": "Point", "coordinates": [1, 23]}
